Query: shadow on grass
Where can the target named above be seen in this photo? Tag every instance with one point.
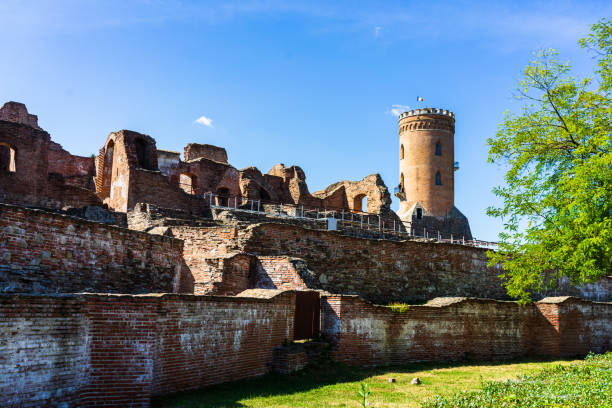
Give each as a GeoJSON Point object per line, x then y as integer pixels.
{"type": "Point", "coordinates": [229, 395]}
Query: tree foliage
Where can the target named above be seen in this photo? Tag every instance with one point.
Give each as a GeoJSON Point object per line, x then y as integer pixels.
{"type": "Point", "coordinates": [557, 192]}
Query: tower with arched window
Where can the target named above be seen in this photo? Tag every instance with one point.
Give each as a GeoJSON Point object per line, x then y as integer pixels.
{"type": "Point", "coordinates": [427, 173]}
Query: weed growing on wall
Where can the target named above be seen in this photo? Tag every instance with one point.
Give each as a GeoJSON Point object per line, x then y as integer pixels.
{"type": "Point", "coordinates": [399, 307]}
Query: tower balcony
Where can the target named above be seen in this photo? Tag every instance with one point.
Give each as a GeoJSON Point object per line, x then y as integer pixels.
{"type": "Point", "coordinates": [399, 192]}
{"type": "Point", "coordinates": [456, 165]}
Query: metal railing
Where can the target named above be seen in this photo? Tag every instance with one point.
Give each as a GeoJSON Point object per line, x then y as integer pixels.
{"type": "Point", "coordinates": [348, 220]}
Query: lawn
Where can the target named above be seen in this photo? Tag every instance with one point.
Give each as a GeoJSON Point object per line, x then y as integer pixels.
{"type": "Point", "coordinates": [336, 385]}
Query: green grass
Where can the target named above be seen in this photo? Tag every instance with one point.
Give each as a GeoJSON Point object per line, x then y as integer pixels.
{"type": "Point", "coordinates": [584, 384]}
{"type": "Point", "coordinates": [336, 385]}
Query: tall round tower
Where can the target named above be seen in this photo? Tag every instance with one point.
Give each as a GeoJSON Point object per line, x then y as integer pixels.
{"type": "Point", "coordinates": [427, 172]}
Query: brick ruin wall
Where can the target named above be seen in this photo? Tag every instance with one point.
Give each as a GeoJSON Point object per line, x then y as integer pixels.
{"type": "Point", "coordinates": [119, 350]}
{"type": "Point", "coordinates": [46, 252]}
{"type": "Point", "coordinates": [76, 171]}
{"type": "Point", "coordinates": [378, 270]}
{"type": "Point", "coordinates": [33, 183]}
{"type": "Point", "coordinates": [105, 350]}
{"type": "Point", "coordinates": [454, 329]}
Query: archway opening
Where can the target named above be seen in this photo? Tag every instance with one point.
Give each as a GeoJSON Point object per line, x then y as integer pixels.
{"type": "Point", "coordinates": [8, 157]}
{"type": "Point", "coordinates": [223, 197]}
{"type": "Point", "coordinates": [263, 194]}
{"type": "Point", "coordinates": [107, 171]}
{"type": "Point", "coordinates": [360, 203]}
{"type": "Point", "coordinates": [187, 183]}
{"type": "Point", "coordinates": [141, 153]}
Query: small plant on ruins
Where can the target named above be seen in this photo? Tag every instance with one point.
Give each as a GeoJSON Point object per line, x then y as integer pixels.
{"type": "Point", "coordinates": [557, 195]}
{"type": "Point", "coordinates": [399, 307]}
{"type": "Point", "coordinates": [364, 393]}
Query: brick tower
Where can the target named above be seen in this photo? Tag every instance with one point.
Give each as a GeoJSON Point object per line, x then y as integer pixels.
{"type": "Point", "coordinates": [427, 174]}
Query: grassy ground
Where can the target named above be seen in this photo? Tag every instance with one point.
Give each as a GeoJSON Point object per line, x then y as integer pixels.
{"type": "Point", "coordinates": [584, 384]}
{"type": "Point", "coordinates": [337, 385]}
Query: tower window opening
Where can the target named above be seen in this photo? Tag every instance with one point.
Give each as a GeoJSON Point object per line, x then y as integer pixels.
{"type": "Point", "coordinates": [438, 149]}
{"type": "Point", "coordinates": [438, 179]}
{"type": "Point", "coordinates": [402, 182]}
{"type": "Point", "coordinates": [419, 213]}
{"type": "Point", "coordinates": [401, 152]}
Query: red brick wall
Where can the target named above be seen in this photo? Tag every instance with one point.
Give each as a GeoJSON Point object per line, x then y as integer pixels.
{"type": "Point", "coordinates": [209, 340]}
{"type": "Point", "coordinates": [101, 350]}
{"type": "Point", "coordinates": [77, 170]}
{"type": "Point", "coordinates": [278, 272]}
{"type": "Point", "coordinates": [585, 326]}
{"type": "Point", "coordinates": [44, 252]}
{"type": "Point", "coordinates": [44, 351]}
{"type": "Point", "coordinates": [452, 329]}
{"type": "Point", "coordinates": [378, 270]}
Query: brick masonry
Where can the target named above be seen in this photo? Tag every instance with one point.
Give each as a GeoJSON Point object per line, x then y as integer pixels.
{"type": "Point", "coordinates": [105, 350]}
{"type": "Point", "coordinates": [44, 252]}
{"type": "Point", "coordinates": [457, 328]}
{"type": "Point", "coordinates": [376, 269]}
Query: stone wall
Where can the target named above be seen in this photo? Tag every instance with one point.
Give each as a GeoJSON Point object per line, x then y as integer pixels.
{"type": "Point", "coordinates": [105, 350]}
{"type": "Point", "coordinates": [457, 328]}
{"type": "Point", "coordinates": [44, 252]}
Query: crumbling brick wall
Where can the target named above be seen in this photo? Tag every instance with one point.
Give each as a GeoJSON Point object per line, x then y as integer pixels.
{"type": "Point", "coordinates": [27, 180]}
{"type": "Point", "coordinates": [195, 151]}
{"type": "Point", "coordinates": [104, 350]}
{"type": "Point", "coordinates": [453, 329]}
{"type": "Point", "coordinates": [379, 270]}
{"type": "Point", "coordinates": [45, 252]}
{"type": "Point", "coordinates": [76, 171]}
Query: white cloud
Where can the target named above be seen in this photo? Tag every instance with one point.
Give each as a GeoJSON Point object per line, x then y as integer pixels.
{"type": "Point", "coordinates": [396, 110]}
{"type": "Point", "coordinates": [203, 120]}
{"type": "Point", "coordinates": [377, 31]}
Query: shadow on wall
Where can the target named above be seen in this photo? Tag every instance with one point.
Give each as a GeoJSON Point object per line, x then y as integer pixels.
{"type": "Point", "coordinates": [229, 395]}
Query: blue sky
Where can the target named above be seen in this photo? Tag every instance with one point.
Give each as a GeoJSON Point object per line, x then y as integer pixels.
{"type": "Point", "coordinates": [306, 83]}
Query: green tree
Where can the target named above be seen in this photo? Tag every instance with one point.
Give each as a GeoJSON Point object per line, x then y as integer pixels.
{"type": "Point", "coordinates": [557, 192]}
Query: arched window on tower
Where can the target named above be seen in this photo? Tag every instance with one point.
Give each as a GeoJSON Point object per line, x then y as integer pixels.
{"type": "Point", "coordinates": [438, 149]}
{"type": "Point", "coordinates": [438, 179]}
{"type": "Point", "coordinates": [401, 152]}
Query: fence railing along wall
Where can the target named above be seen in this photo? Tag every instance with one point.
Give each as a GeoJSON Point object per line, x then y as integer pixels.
{"type": "Point", "coordinates": [345, 220]}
